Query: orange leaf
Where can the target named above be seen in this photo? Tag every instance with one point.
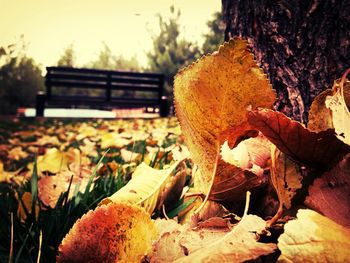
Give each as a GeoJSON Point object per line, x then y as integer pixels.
{"type": "Point", "coordinates": [111, 233]}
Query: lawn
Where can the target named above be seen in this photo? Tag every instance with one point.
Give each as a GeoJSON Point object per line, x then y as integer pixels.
{"type": "Point", "coordinates": [54, 171]}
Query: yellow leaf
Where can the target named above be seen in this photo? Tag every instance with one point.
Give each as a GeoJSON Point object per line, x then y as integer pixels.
{"type": "Point", "coordinates": [340, 109]}
{"type": "Point", "coordinates": [17, 153]}
{"type": "Point", "coordinates": [113, 140]}
{"type": "Point", "coordinates": [52, 161]}
{"type": "Point", "coordinates": [212, 97]}
{"type": "Point", "coordinates": [149, 188]}
{"type": "Point", "coordinates": [112, 233]}
{"type": "Point", "coordinates": [320, 117]}
{"type": "Point", "coordinates": [285, 176]}
{"type": "Point", "coordinates": [129, 156]}
{"type": "Point", "coordinates": [314, 238]}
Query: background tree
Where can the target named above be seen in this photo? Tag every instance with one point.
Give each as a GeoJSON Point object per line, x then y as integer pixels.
{"type": "Point", "coordinates": [20, 79]}
{"type": "Point", "coordinates": [170, 52]}
{"type": "Point", "coordinates": [216, 32]}
{"type": "Point", "coordinates": [106, 60]}
{"type": "Point", "coordinates": [68, 57]}
{"type": "Point", "coordinates": [302, 45]}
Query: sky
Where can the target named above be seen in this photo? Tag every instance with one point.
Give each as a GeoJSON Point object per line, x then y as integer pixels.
{"type": "Point", "coordinates": [126, 26]}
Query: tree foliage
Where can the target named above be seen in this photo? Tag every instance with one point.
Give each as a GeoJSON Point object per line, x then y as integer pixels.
{"type": "Point", "coordinates": [170, 51]}
{"type": "Point", "coordinates": [106, 60]}
{"type": "Point", "coordinates": [68, 57]}
{"type": "Point", "coordinates": [215, 36]}
{"type": "Point", "coordinates": [20, 79]}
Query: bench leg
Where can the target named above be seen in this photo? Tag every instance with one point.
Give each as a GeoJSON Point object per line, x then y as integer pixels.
{"type": "Point", "coordinates": [164, 107]}
{"type": "Point", "coordinates": [40, 104]}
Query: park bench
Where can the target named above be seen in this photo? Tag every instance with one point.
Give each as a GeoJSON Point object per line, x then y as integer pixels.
{"type": "Point", "coordinates": [102, 89]}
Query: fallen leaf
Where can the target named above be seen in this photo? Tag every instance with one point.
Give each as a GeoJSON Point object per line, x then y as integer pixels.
{"type": "Point", "coordinates": [17, 153]}
{"type": "Point", "coordinates": [50, 188]}
{"type": "Point", "coordinates": [318, 150]}
{"type": "Point", "coordinates": [111, 233]}
{"type": "Point", "coordinates": [285, 176]}
{"type": "Point", "coordinates": [113, 140]}
{"type": "Point", "coordinates": [320, 117]}
{"type": "Point", "coordinates": [11, 177]}
{"type": "Point", "coordinates": [213, 245]}
{"type": "Point", "coordinates": [53, 161]}
{"type": "Point", "coordinates": [340, 109]}
{"type": "Point", "coordinates": [314, 238]}
{"type": "Point", "coordinates": [177, 241]}
{"type": "Point", "coordinates": [286, 179]}
{"type": "Point", "coordinates": [149, 188]}
{"type": "Point", "coordinates": [330, 194]}
{"type": "Point", "coordinates": [211, 99]}
{"type": "Point", "coordinates": [251, 154]}
{"type": "Point", "coordinates": [231, 183]}
{"type": "Point", "coordinates": [129, 156]}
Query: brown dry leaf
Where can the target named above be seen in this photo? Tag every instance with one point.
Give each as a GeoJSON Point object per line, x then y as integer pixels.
{"type": "Point", "coordinates": [330, 194]}
{"type": "Point", "coordinates": [211, 99]}
{"type": "Point", "coordinates": [16, 177]}
{"type": "Point", "coordinates": [320, 117]}
{"type": "Point", "coordinates": [114, 232]}
{"type": "Point", "coordinates": [150, 188]}
{"type": "Point", "coordinates": [231, 183]}
{"type": "Point", "coordinates": [285, 176]}
{"type": "Point", "coordinates": [17, 153]}
{"type": "Point", "coordinates": [317, 150]}
{"type": "Point", "coordinates": [213, 245]}
{"type": "Point", "coordinates": [47, 140]}
{"type": "Point", "coordinates": [340, 109]}
{"type": "Point", "coordinates": [51, 187]}
{"type": "Point", "coordinates": [314, 238]}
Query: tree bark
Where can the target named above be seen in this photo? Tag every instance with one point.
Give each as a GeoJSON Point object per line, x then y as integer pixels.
{"type": "Point", "coordinates": [302, 45]}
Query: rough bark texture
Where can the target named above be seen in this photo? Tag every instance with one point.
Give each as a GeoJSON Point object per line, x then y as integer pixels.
{"type": "Point", "coordinates": [302, 45]}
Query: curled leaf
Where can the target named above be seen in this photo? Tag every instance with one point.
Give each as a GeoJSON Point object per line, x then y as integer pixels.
{"type": "Point", "coordinates": [317, 150]}
{"type": "Point", "coordinates": [211, 99]}
{"type": "Point", "coordinates": [251, 154]}
{"type": "Point", "coordinates": [339, 105]}
{"type": "Point", "coordinates": [150, 188]}
{"type": "Point", "coordinates": [314, 238]}
{"type": "Point", "coordinates": [286, 179]}
{"type": "Point", "coordinates": [111, 233]}
{"type": "Point", "coordinates": [320, 117]}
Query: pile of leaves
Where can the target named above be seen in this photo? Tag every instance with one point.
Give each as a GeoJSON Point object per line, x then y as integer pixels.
{"type": "Point", "coordinates": [254, 185]}
{"type": "Point", "coordinates": [54, 171]}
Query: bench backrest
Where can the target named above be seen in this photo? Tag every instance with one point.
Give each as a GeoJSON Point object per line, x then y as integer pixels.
{"type": "Point", "coordinates": [107, 80]}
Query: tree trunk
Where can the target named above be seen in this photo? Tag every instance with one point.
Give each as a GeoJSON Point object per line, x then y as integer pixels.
{"type": "Point", "coordinates": [302, 45]}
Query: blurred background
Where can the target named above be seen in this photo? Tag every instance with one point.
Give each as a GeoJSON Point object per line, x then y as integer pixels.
{"type": "Point", "coordinates": [144, 36]}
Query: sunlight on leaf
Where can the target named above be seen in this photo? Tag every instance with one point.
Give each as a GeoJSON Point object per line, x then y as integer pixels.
{"type": "Point", "coordinates": [314, 238]}
{"type": "Point", "coordinates": [149, 187]}
{"type": "Point", "coordinates": [111, 233]}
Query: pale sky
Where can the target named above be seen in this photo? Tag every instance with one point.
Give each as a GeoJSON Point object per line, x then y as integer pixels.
{"type": "Point", "coordinates": [49, 26]}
